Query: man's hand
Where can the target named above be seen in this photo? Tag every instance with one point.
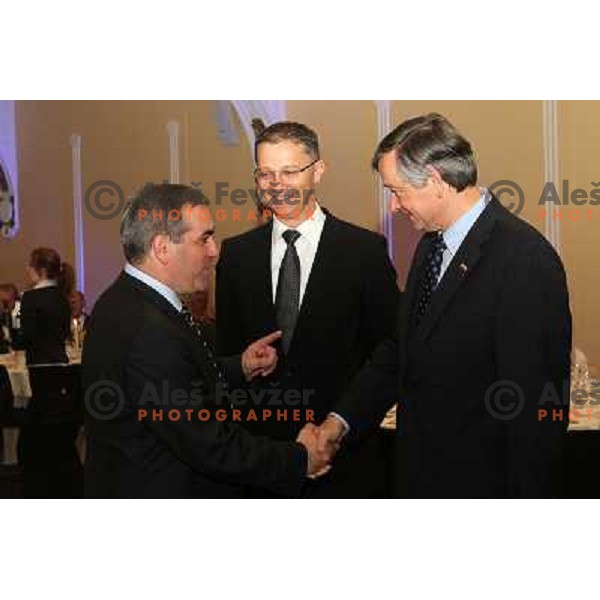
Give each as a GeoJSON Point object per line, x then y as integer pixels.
{"type": "Point", "coordinates": [329, 433]}
{"type": "Point", "coordinates": [260, 358]}
{"type": "Point", "coordinates": [319, 458]}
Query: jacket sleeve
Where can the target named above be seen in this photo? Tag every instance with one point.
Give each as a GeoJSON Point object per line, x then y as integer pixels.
{"type": "Point", "coordinates": [380, 296]}
{"type": "Point", "coordinates": [159, 371]}
{"type": "Point", "coordinates": [533, 344]}
{"type": "Point", "coordinates": [374, 390]}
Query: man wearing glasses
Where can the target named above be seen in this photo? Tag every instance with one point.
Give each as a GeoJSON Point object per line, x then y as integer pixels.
{"type": "Point", "coordinates": [328, 285]}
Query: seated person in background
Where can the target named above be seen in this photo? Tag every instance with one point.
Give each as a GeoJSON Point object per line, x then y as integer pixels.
{"type": "Point", "coordinates": [45, 310]}
{"type": "Point", "coordinates": [4, 347]}
{"type": "Point", "coordinates": [9, 311]}
{"type": "Point", "coordinates": [77, 303]}
{"type": "Point", "coordinates": [78, 318]}
{"type": "Point", "coordinates": [9, 295]}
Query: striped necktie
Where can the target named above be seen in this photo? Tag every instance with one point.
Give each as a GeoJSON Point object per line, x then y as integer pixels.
{"type": "Point", "coordinates": [211, 367]}
{"type": "Point", "coordinates": [431, 275]}
{"type": "Point", "coordinates": [287, 298]}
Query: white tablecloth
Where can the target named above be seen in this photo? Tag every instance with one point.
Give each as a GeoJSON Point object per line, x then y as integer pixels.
{"type": "Point", "coordinates": [19, 377]}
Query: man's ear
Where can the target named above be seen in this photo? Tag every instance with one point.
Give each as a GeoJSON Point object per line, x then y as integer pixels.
{"type": "Point", "coordinates": [160, 248]}
{"type": "Point", "coordinates": [439, 185]}
{"type": "Point", "coordinates": [318, 172]}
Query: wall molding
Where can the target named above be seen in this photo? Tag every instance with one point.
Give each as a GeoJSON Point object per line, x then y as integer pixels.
{"type": "Point", "coordinates": [386, 221]}
{"type": "Point", "coordinates": [551, 167]}
{"type": "Point", "coordinates": [173, 129]}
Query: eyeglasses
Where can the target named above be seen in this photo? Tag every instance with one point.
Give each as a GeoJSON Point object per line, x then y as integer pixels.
{"type": "Point", "coordinates": [265, 176]}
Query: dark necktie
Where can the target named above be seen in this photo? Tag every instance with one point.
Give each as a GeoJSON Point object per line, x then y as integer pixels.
{"type": "Point", "coordinates": [287, 298]}
{"type": "Point", "coordinates": [211, 368]}
{"type": "Point", "coordinates": [431, 275]}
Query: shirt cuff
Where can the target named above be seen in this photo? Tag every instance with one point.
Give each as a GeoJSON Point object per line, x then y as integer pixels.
{"type": "Point", "coordinates": [342, 421]}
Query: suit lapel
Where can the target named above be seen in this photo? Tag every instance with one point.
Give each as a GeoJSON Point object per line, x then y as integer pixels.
{"type": "Point", "coordinates": [459, 270]}
{"type": "Point", "coordinates": [317, 283]}
{"type": "Point", "coordinates": [153, 297]}
{"type": "Point", "coordinates": [264, 282]}
{"type": "Point", "coordinates": [320, 268]}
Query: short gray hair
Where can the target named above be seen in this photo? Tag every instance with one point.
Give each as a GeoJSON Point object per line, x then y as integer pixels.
{"type": "Point", "coordinates": [430, 141]}
{"type": "Point", "coordinates": [156, 210]}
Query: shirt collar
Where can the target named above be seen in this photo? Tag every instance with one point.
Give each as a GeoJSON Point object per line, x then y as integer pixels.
{"type": "Point", "coordinates": [164, 290]}
{"type": "Point", "coordinates": [456, 233]}
{"type": "Point", "coordinates": [44, 283]}
{"type": "Point", "coordinates": [309, 229]}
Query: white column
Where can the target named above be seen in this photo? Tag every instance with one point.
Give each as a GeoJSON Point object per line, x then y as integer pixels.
{"type": "Point", "coordinates": [78, 211]}
{"type": "Point", "coordinates": [551, 167]}
{"type": "Point", "coordinates": [173, 131]}
{"type": "Point", "coordinates": [386, 225]}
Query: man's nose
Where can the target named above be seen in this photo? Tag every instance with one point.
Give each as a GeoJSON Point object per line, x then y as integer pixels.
{"type": "Point", "coordinates": [394, 203]}
{"type": "Point", "coordinates": [276, 179]}
{"type": "Point", "coordinates": [213, 248]}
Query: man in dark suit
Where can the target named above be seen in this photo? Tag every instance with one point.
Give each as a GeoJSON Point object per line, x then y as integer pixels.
{"type": "Point", "coordinates": [481, 356]}
{"type": "Point", "coordinates": [327, 284]}
{"type": "Point", "coordinates": [155, 425]}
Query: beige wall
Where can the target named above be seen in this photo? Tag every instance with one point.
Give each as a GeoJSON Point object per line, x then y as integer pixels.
{"type": "Point", "coordinates": [46, 217]}
{"type": "Point", "coordinates": [127, 142]}
{"type": "Point", "coordinates": [347, 132]}
{"type": "Point", "coordinates": [580, 225]}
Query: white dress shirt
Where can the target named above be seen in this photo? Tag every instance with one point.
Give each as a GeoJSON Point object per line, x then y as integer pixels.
{"type": "Point", "coordinates": [457, 232]}
{"type": "Point", "coordinates": [306, 247]}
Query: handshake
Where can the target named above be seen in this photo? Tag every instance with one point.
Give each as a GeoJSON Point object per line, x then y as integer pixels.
{"type": "Point", "coordinates": [322, 443]}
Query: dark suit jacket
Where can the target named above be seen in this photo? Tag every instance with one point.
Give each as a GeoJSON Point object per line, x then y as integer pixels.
{"type": "Point", "coordinates": [493, 348]}
{"type": "Point", "coordinates": [45, 325]}
{"type": "Point", "coordinates": [138, 344]}
{"type": "Point", "coordinates": [349, 306]}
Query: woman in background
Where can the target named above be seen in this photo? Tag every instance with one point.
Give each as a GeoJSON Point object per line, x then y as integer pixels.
{"type": "Point", "coordinates": [45, 310]}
